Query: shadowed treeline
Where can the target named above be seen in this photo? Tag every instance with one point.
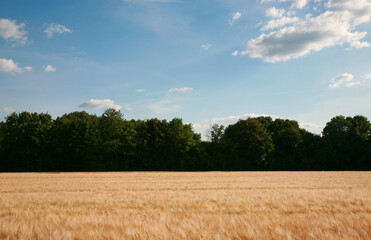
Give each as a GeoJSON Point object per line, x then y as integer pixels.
{"type": "Point", "coordinates": [79, 141]}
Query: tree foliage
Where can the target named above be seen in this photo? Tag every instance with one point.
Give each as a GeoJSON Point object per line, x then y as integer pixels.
{"type": "Point", "coordinates": [348, 142]}
{"type": "Point", "coordinates": [79, 141]}
{"type": "Point", "coordinates": [248, 143]}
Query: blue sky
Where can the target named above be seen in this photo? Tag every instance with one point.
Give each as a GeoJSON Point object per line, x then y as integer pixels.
{"type": "Point", "coordinates": [203, 61]}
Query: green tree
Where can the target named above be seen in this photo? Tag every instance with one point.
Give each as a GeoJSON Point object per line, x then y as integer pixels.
{"type": "Point", "coordinates": [116, 141]}
{"type": "Point", "coordinates": [335, 136]}
{"type": "Point", "coordinates": [75, 137]}
{"type": "Point", "coordinates": [287, 138]}
{"type": "Point", "coordinates": [155, 142]}
{"type": "Point", "coordinates": [311, 152]}
{"type": "Point", "coordinates": [215, 156]}
{"type": "Point", "coordinates": [358, 137]}
{"type": "Point", "coordinates": [267, 123]}
{"type": "Point", "coordinates": [180, 140]}
{"type": "Point", "coordinates": [215, 133]}
{"type": "Point", "coordinates": [248, 144]}
{"type": "Point", "coordinates": [347, 143]}
{"type": "Point", "coordinates": [25, 142]}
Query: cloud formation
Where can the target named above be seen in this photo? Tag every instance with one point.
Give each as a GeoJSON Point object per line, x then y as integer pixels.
{"type": "Point", "coordinates": [99, 104]}
{"type": "Point", "coordinates": [11, 31]}
{"type": "Point", "coordinates": [235, 17]}
{"type": "Point", "coordinates": [184, 89]}
{"type": "Point", "coordinates": [27, 69]}
{"type": "Point", "coordinates": [276, 23]}
{"type": "Point", "coordinates": [299, 3]}
{"type": "Point", "coordinates": [206, 46]}
{"type": "Point", "coordinates": [294, 4]}
{"type": "Point", "coordinates": [274, 12]}
{"type": "Point", "coordinates": [56, 28]}
{"type": "Point", "coordinates": [354, 11]}
{"type": "Point", "coordinates": [7, 65]}
{"type": "Point", "coordinates": [334, 27]}
{"type": "Point", "coordinates": [140, 90]}
{"type": "Point", "coordinates": [367, 76]}
{"type": "Point", "coordinates": [343, 80]}
{"type": "Point", "coordinates": [50, 68]}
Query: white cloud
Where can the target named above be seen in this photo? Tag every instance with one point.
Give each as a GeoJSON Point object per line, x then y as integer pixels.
{"type": "Point", "coordinates": [235, 53]}
{"type": "Point", "coordinates": [49, 68]}
{"type": "Point", "coordinates": [274, 12]}
{"type": "Point", "coordinates": [367, 76]}
{"type": "Point", "coordinates": [27, 69]}
{"type": "Point", "coordinates": [8, 110]}
{"type": "Point", "coordinates": [351, 84]}
{"type": "Point", "coordinates": [206, 46]}
{"type": "Point", "coordinates": [299, 3]}
{"type": "Point", "coordinates": [184, 89]}
{"type": "Point", "coordinates": [344, 79]}
{"type": "Point", "coordinates": [334, 27]}
{"type": "Point", "coordinates": [10, 31]}
{"type": "Point", "coordinates": [163, 106]}
{"type": "Point", "coordinates": [235, 17]}
{"type": "Point", "coordinates": [359, 44]}
{"type": "Point", "coordinates": [276, 23]}
{"type": "Point", "coordinates": [140, 90]}
{"type": "Point", "coordinates": [295, 3]}
{"type": "Point", "coordinates": [7, 65]}
{"type": "Point", "coordinates": [56, 28]}
{"type": "Point", "coordinates": [355, 11]}
{"type": "Point", "coordinates": [96, 103]}
{"type": "Point", "coordinates": [314, 34]}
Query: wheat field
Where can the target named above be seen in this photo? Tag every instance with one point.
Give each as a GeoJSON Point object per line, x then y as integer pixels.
{"type": "Point", "coordinates": [172, 205]}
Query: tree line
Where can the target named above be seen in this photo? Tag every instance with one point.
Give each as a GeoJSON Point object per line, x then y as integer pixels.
{"type": "Point", "coordinates": [79, 141]}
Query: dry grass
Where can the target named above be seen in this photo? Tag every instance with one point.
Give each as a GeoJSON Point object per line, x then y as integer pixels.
{"type": "Point", "coordinates": [159, 205]}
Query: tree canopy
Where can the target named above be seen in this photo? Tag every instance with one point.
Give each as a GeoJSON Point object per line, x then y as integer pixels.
{"type": "Point", "coordinates": [79, 141]}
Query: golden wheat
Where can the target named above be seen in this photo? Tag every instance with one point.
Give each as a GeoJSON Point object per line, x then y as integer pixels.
{"type": "Point", "coordinates": [170, 205]}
